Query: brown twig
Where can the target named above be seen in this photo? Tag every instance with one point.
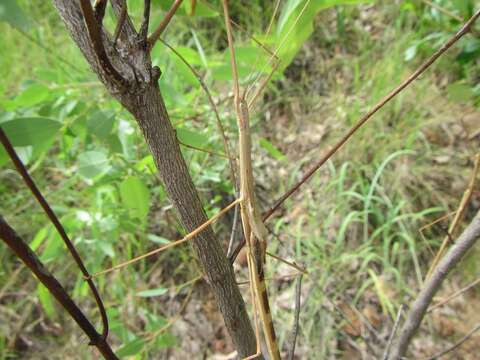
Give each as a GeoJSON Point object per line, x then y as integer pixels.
{"type": "Point", "coordinates": [211, 152]}
{"type": "Point", "coordinates": [220, 127]}
{"type": "Point", "coordinates": [419, 307]}
{"type": "Point", "coordinates": [458, 214]}
{"type": "Point", "coordinates": [293, 336]}
{"type": "Point", "coordinates": [443, 10]}
{"type": "Point", "coordinates": [54, 220]}
{"type": "Point", "coordinates": [454, 295]}
{"type": "Point", "coordinates": [143, 32]}
{"type": "Point", "coordinates": [152, 39]}
{"type": "Point", "coordinates": [95, 34]}
{"type": "Point", "coordinates": [186, 238]}
{"type": "Point", "coordinates": [456, 345]}
{"type": "Point", "coordinates": [22, 250]}
{"type": "Point", "coordinates": [392, 334]}
{"type": "Point", "coordinates": [121, 20]}
{"type": "Point", "coordinates": [99, 10]}
{"type": "Point", "coordinates": [464, 30]}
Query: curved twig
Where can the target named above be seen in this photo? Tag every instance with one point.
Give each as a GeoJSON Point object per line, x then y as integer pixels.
{"type": "Point", "coordinates": [23, 251]}
{"type": "Point", "coordinates": [54, 220]}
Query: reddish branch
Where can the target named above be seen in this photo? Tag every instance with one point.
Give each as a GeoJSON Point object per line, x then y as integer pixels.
{"type": "Point", "coordinates": [152, 39]}
{"type": "Point", "coordinates": [21, 249]}
{"type": "Point", "coordinates": [95, 34]}
{"type": "Point", "coordinates": [54, 220]}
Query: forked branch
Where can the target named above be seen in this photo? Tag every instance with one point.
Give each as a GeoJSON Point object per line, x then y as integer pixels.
{"type": "Point", "coordinates": [95, 33]}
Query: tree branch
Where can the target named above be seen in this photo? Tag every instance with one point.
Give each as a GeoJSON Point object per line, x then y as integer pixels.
{"type": "Point", "coordinates": [95, 33]}
{"type": "Point", "coordinates": [419, 307]}
{"type": "Point", "coordinates": [22, 250]}
{"type": "Point", "coordinates": [144, 101]}
{"type": "Point", "coordinates": [54, 220]}
{"type": "Point", "coordinates": [152, 39]}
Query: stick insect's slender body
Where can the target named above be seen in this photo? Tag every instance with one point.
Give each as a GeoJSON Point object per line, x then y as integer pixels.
{"type": "Point", "coordinates": [254, 230]}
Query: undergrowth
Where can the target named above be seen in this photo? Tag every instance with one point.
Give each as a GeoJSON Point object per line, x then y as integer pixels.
{"type": "Point", "coordinates": [354, 226]}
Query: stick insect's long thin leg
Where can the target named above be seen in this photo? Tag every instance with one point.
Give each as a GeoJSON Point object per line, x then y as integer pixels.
{"type": "Point", "coordinates": [187, 237]}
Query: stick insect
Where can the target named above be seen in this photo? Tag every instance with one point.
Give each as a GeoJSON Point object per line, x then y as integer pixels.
{"type": "Point", "coordinates": [254, 229]}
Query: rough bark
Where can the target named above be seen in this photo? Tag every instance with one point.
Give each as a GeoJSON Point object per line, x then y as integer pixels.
{"type": "Point", "coordinates": [142, 98]}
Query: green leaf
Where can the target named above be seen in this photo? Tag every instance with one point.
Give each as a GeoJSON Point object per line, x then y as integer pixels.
{"type": "Point", "coordinates": [131, 348]}
{"type": "Point", "coordinates": [32, 95]}
{"type": "Point", "coordinates": [295, 24]}
{"type": "Point", "coordinates": [272, 149]}
{"type": "Point", "coordinates": [92, 164]}
{"type": "Point", "coordinates": [152, 292]}
{"type": "Point", "coordinates": [100, 124]}
{"type": "Point", "coordinates": [166, 340]}
{"type": "Point", "coordinates": [192, 138]}
{"type": "Point", "coordinates": [11, 13]}
{"type": "Point", "coordinates": [29, 136]}
{"type": "Point", "coordinates": [136, 197]}
{"type": "Point", "coordinates": [158, 239]}
{"type": "Point", "coordinates": [34, 131]}
{"type": "Point", "coordinates": [46, 300]}
{"type": "Point", "coordinates": [40, 236]}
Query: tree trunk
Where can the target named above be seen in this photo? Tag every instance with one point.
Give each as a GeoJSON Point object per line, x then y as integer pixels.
{"type": "Point", "coordinates": [142, 98]}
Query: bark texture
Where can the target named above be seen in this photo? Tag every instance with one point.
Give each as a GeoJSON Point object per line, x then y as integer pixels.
{"type": "Point", "coordinates": [142, 98]}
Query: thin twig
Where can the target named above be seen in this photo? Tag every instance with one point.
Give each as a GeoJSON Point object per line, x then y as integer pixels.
{"type": "Point", "coordinates": [143, 32]}
{"type": "Point", "coordinates": [456, 345]}
{"type": "Point", "coordinates": [292, 264]}
{"type": "Point", "coordinates": [172, 244]}
{"type": "Point", "coordinates": [152, 39]}
{"type": "Point", "coordinates": [220, 127]}
{"type": "Point", "coordinates": [458, 214]}
{"type": "Point", "coordinates": [293, 336]}
{"type": "Point", "coordinates": [120, 22]}
{"type": "Point", "coordinates": [464, 30]}
{"type": "Point", "coordinates": [394, 331]}
{"type": "Point", "coordinates": [95, 34]}
{"type": "Point", "coordinates": [211, 152]}
{"type": "Point", "coordinates": [443, 10]}
{"type": "Point", "coordinates": [419, 307]}
{"type": "Point", "coordinates": [28, 257]}
{"type": "Point", "coordinates": [454, 295]}
{"type": "Point", "coordinates": [56, 222]}
{"type": "Point", "coordinates": [99, 10]}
